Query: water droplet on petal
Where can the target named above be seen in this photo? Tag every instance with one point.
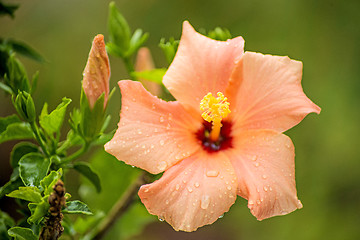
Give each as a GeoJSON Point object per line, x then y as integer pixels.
{"type": "Point", "coordinates": [139, 131]}
{"type": "Point", "coordinates": [229, 188]}
{"type": "Point", "coordinates": [196, 184]}
{"type": "Point", "coordinates": [161, 219]}
{"type": "Point", "coordinates": [221, 216]}
{"type": "Point", "coordinates": [254, 158]}
{"type": "Point", "coordinates": [161, 119]}
{"type": "Point", "coordinates": [205, 201]}
{"type": "Point", "coordinates": [177, 187]}
{"type": "Point", "coordinates": [162, 165]}
{"type": "Point", "coordinates": [212, 173]}
{"type": "Point", "coordinates": [146, 190]}
{"type": "Point", "coordinates": [162, 142]}
{"type": "Point", "coordinates": [264, 176]}
{"type": "Point", "coordinates": [190, 189]}
{"type": "Point", "coordinates": [265, 189]}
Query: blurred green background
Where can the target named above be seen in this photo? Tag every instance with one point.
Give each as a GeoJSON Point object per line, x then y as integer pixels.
{"type": "Point", "coordinates": [324, 34]}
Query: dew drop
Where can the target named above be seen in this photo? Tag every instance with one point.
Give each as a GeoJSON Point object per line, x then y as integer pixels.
{"type": "Point", "coordinates": [156, 130]}
{"type": "Point", "coordinates": [162, 165]}
{"type": "Point", "coordinates": [190, 189]}
{"type": "Point", "coordinates": [265, 189]}
{"type": "Point", "coordinates": [251, 202]}
{"type": "Point", "coordinates": [221, 216]}
{"type": "Point", "coordinates": [270, 188]}
{"type": "Point", "coordinates": [212, 173]}
{"type": "Point", "coordinates": [162, 142]}
{"type": "Point", "coordinates": [167, 202]}
{"type": "Point", "coordinates": [161, 119]}
{"type": "Point", "coordinates": [197, 184]}
{"type": "Point", "coordinates": [258, 201]}
{"type": "Point", "coordinates": [146, 190]}
{"type": "Point", "coordinates": [161, 219]}
{"type": "Point", "coordinates": [153, 106]}
{"type": "Point", "coordinates": [254, 157]}
{"type": "Point", "coordinates": [177, 187]}
{"type": "Point", "coordinates": [229, 188]}
{"type": "Point", "coordinates": [264, 176]}
{"type": "Point", "coordinates": [257, 164]}
{"type": "Point", "coordinates": [204, 201]}
{"type": "Point", "coordinates": [139, 131]}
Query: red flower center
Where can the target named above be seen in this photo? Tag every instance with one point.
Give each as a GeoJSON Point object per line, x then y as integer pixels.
{"type": "Point", "coordinates": [224, 141]}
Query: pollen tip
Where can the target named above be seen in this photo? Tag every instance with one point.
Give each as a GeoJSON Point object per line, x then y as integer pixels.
{"type": "Point", "coordinates": [214, 109]}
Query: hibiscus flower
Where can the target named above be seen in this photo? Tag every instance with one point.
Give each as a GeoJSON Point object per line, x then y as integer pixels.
{"type": "Point", "coordinates": [221, 138]}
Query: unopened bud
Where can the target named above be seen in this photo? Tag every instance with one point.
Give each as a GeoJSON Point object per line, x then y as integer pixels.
{"type": "Point", "coordinates": [97, 72]}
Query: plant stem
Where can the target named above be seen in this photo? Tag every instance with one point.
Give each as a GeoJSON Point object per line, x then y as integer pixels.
{"type": "Point", "coordinates": [76, 154]}
{"type": "Point", "coordinates": [129, 67]}
{"type": "Point", "coordinates": [38, 138]}
{"type": "Point", "coordinates": [119, 207]}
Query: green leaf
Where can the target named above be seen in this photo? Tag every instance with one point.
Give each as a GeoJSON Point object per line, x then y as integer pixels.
{"type": "Point", "coordinates": [6, 222]}
{"type": "Point", "coordinates": [85, 169]}
{"type": "Point", "coordinates": [8, 9]}
{"type": "Point", "coordinates": [20, 150]}
{"type": "Point", "coordinates": [50, 180]}
{"type": "Point", "coordinates": [6, 121]}
{"type": "Point", "coordinates": [52, 122]}
{"type": "Point", "coordinates": [15, 131]}
{"type": "Point", "coordinates": [221, 34]}
{"type": "Point", "coordinates": [33, 168]}
{"type": "Point", "coordinates": [31, 194]}
{"type": "Point", "coordinates": [91, 119]}
{"type": "Point", "coordinates": [10, 186]}
{"type": "Point", "coordinates": [83, 224]}
{"type": "Point", "coordinates": [16, 77]}
{"type": "Point", "coordinates": [38, 211]}
{"type": "Point", "coordinates": [137, 40]}
{"type": "Point", "coordinates": [119, 30]}
{"type": "Point", "coordinates": [6, 88]}
{"type": "Point", "coordinates": [20, 233]}
{"type": "Point", "coordinates": [25, 50]}
{"type": "Point", "coordinates": [77, 207]}
{"type": "Point", "coordinates": [154, 75]}
{"type": "Point", "coordinates": [169, 48]}
{"type": "Point", "coordinates": [107, 167]}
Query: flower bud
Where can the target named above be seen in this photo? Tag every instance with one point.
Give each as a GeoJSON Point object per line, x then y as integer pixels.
{"type": "Point", "coordinates": [97, 72]}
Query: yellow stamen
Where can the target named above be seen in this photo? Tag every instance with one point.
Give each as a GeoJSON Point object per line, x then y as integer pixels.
{"type": "Point", "coordinates": [214, 110]}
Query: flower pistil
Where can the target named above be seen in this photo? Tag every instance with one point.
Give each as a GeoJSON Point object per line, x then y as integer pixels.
{"type": "Point", "coordinates": [214, 110]}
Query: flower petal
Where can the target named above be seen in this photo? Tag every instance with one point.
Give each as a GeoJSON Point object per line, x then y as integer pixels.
{"type": "Point", "coordinates": [97, 72]}
{"type": "Point", "coordinates": [152, 134]}
{"type": "Point", "coordinates": [201, 65]}
{"type": "Point", "coordinates": [193, 193]}
{"type": "Point", "coordinates": [265, 93]}
{"type": "Point", "coordinates": [264, 164]}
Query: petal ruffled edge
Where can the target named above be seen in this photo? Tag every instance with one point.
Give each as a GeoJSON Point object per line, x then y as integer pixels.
{"type": "Point", "coordinates": [193, 193]}
{"type": "Point", "coordinates": [264, 164]}
{"type": "Point", "coordinates": [201, 65]}
{"type": "Point", "coordinates": [265, 92]}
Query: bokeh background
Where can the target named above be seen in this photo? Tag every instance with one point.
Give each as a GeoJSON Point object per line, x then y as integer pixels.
{"type": "Point", "coordinates": [324, 34]}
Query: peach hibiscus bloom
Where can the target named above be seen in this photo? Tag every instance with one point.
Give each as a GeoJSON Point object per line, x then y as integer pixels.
{"type": "Point", "coordinates": [221, 138]}
{"type": "Point", "coordinates": [97, 72]}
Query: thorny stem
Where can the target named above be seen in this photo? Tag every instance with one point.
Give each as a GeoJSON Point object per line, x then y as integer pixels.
{"type": "Point", "coordinates": [119, 208]}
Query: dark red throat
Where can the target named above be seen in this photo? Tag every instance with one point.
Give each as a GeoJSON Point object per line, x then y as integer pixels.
{"type": "Point", "coordinates": [224, 141]}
